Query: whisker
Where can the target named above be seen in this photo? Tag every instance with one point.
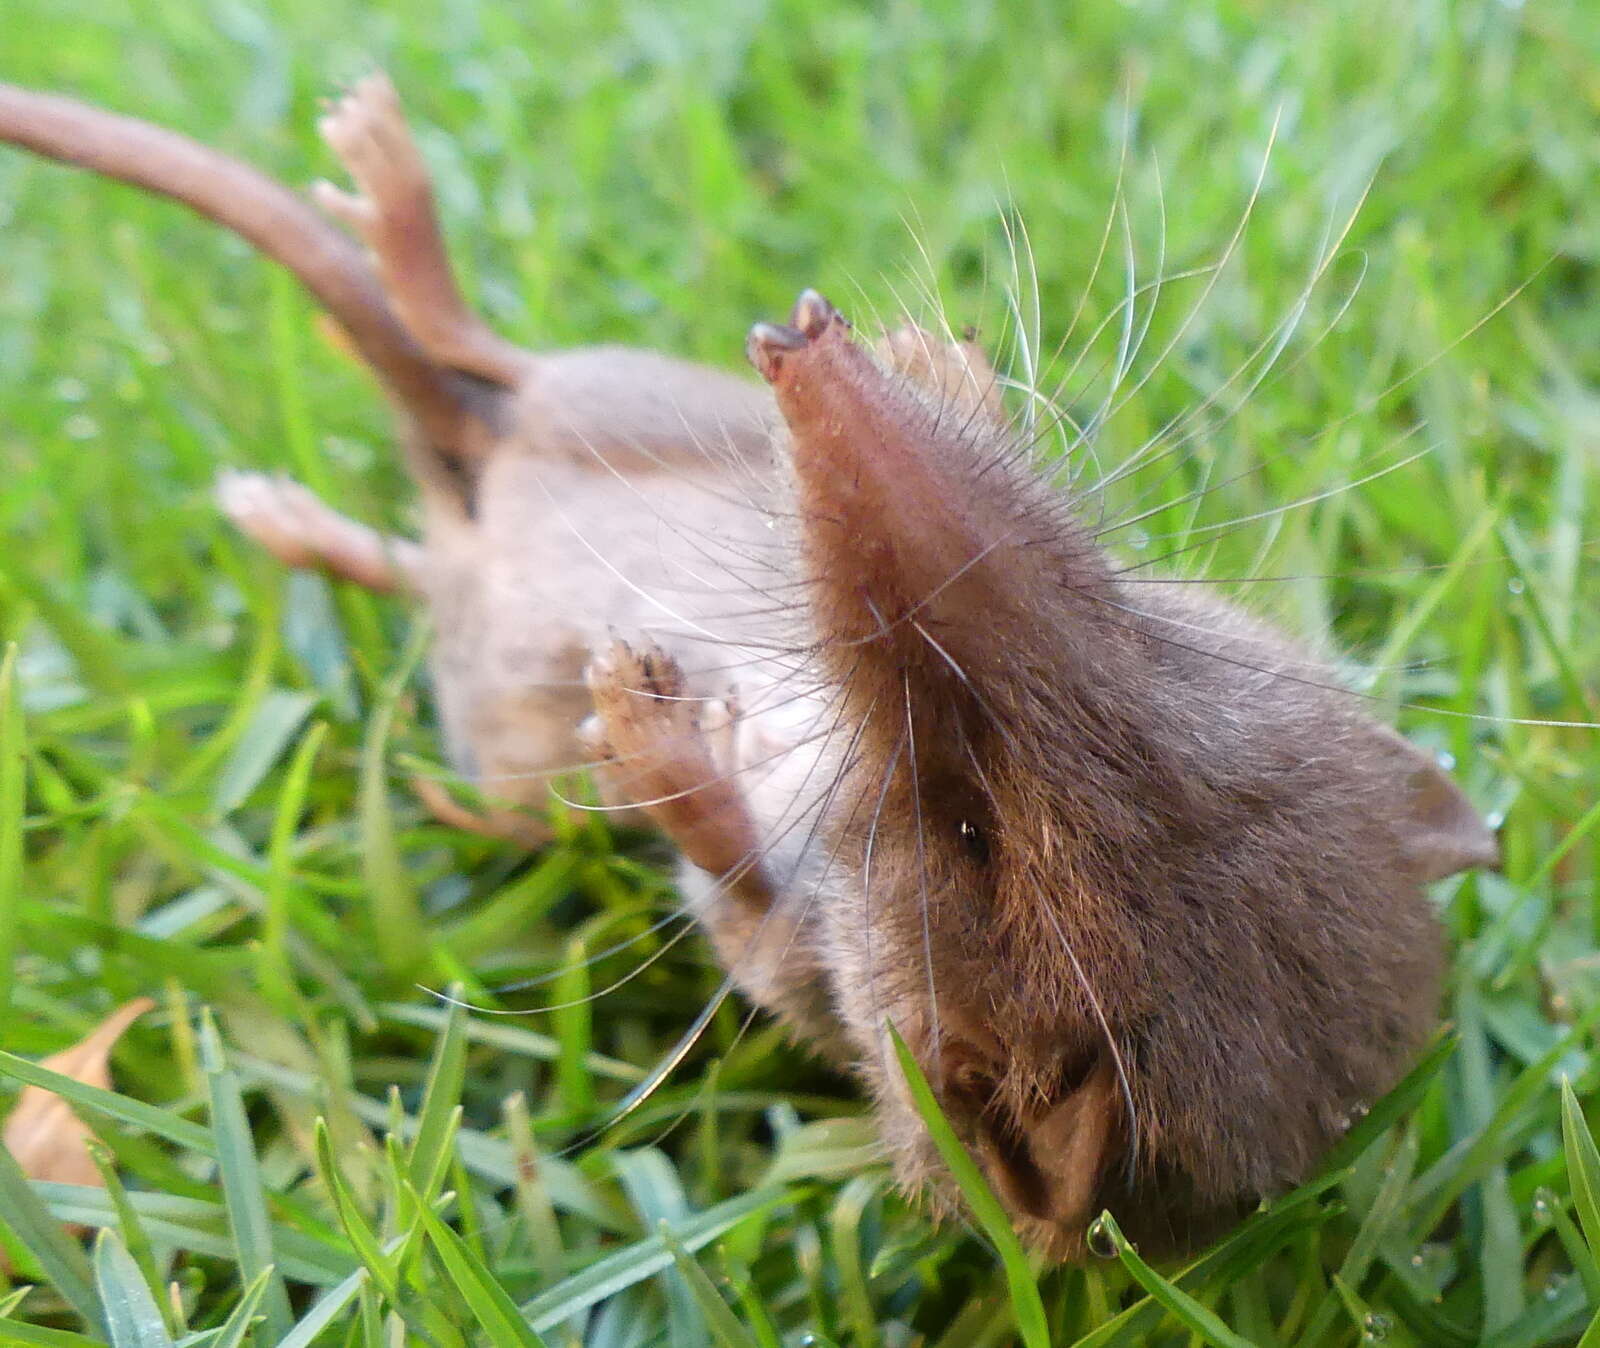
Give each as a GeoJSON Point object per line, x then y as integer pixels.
{"type": "Point", "coordinates": [1274, 672]}
{"type": "Point", "coordinates": [935, 1056]}
{"type": "Point", "coordinates": [1124, 1082]}
{"type": "Point", "coordinates": [1296, 504]}
{"type": "Point", "coordinates": [866, 902]}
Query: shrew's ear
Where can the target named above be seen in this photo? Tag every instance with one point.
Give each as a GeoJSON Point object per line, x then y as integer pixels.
{"type": "Point", "coordinates": [1441, 832]}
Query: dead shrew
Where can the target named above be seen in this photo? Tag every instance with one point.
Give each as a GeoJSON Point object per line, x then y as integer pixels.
{"type": "Point", "coordinates": [1139, 886]}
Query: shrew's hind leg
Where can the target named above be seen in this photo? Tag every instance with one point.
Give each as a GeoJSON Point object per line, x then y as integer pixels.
{"type": "Point", "coordinates": [301, 530]}
{"type": "Point", "coordinates": [957, 372]}
{"type": "Point", "coordinates": [393, 211]}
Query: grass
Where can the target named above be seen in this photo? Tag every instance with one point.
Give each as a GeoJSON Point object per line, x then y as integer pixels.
{"type": "Point", "coordinates": [203, 759]}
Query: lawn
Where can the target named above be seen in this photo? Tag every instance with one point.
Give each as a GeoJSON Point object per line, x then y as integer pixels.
{"type": "Point", "coordinates": [1378, 379]}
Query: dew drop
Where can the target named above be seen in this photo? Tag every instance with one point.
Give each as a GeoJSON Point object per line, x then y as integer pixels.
{"type": "Point", "coordinates": [1554, 1285]}
{"type": "Point", "coordinates": [1445, 759]}
{"type": "Point", "coordinates": [1375, 1327]}
{"type": "Point", "coordinates": [82, 426]}
{"type": "Point", "coordinates": [1545, 1204]}
{"type": "Point", "coordinates": [71, 390]}
{"type": "Point", "coordinates": [1140, 541]}
{"type": "Point", "coordinates": [1098, 1239]}
{"type": "Point", "coordinates": [1515, 585]}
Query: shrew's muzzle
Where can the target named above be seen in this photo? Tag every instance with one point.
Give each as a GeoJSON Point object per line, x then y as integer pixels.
{"type": "Point", "coordinates": [924, 535]}
{"type": "Point", "coordinates": [886, 508]}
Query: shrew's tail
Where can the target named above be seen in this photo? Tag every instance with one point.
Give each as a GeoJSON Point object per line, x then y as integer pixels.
{"type": "Point", "coordinates": [447, 407]}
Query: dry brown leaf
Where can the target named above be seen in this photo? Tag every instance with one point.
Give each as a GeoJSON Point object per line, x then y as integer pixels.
{"type": "Point", "coordinates": [43, 1133]}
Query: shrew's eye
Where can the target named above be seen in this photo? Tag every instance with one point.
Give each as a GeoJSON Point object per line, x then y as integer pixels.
{"type": "Point", "coordinates": [975, 840]}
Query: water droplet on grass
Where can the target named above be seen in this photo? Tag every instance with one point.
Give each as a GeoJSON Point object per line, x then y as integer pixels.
{"type": "Point", "coordinates": [1098, 1239]}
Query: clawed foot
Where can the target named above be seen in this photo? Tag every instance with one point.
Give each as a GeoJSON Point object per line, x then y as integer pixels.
{"type": "Point", "coordinates": [367, 130]}
{"type": "Point", "coordinates": [302, 530]}
{"type": "Point", "coordinates": [392, 210]}
{"type": "Point", "coordinates": [958, 373]}
{"type": "Point", "coordinates": [670, 753]}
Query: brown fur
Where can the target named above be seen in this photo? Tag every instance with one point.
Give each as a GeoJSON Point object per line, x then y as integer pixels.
{"type": "Point", "coordinates": [1141, 890]}
{"type": "Point", "coordinates": [1234, 859]}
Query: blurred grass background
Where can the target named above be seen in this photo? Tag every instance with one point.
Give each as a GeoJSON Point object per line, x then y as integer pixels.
{"type": "Point", "coordinates": [213, 754]}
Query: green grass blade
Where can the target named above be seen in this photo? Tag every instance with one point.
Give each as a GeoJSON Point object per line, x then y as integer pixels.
{"type": "Point", "coordinates": [197, 1226]}
{"type": "Point", "coordinates": [496, 1313]}
{"type": "Point", "coordinates": [633, 1264]}
{"type": "Point", "coordinates": [1031, 1324]}
{"type": "Point", "coordinates": [854, 1280]}
{"type": "Point", "coordinates": [59, 1255]}
{"type": "Point", "coordinates": [243, 1192]}
{"type": "Point", "coordinates": [1382, 1219]}
{"type": "Point", "coordinates": [134, 1236]}
{"type": "Point", "coordinates": [426, 1320]}
{"type": "Point", "coordinates": [326, 1311]}
{"type": "Point", "coordinates": [573, 1019]}
{"type": "Point", "coordinates": [509, 1039]}
{"type": "Point", "coordinates": [1591, 1336]}
{"type": "Point", "coordinates": [1499, 1250]}
{"type": "Point", "coordinates": [724, 1324]}
{"type": "Point", "coordinates": [385, 1273]}
{"type": "Point", "coordinates": [13, 802]}
{"type": "Point", "coordinates": [441, 1098]}
{"type": "Point", "coordinates": [15, 1331]}
{"type": "Point", "coordinates": [261, 743]}
{"type": "Point", "coordinates": [397, 925]}
{"type": "Point", "coordinates": [1583, 1164]}
{"type": "Point", "coordinates": [1437, 1188]}
{"type": "Point", "coordinates": [242, 1318]}
{"type": "Point", "coordinates": [275, 934]}
{"type": "Point", "coordinates": [657, 1195]}
{"type": "Point", "coordinates": [1246, 1249]}
{"type": "Point", "coordinates": [1189, 1312]}
{"type": "Point", "coordinates": [532, 1195]}
{"type": "Point", "coordinates": [1373, 1326]}
{"type": "Point", "coordinates": [1578, 1249]}
{"type": "Point", "coordinates": [485, 1156]}
{"type": "Point", "coordinates": [102, 659]}
{"type": "Point", "coordinates": [131, 1312]}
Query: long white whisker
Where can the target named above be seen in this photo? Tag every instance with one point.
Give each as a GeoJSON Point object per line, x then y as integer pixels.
{"type": "Point", "coordinates": [935, 1057]}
